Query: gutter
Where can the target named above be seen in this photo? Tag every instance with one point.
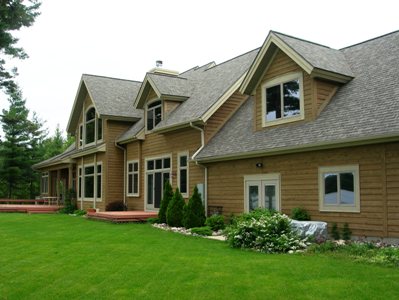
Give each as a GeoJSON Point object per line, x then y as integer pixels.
{"type": "Point", "coordinates": [124, 170]}
{"type": "Point", "coordinates": [205, 168]}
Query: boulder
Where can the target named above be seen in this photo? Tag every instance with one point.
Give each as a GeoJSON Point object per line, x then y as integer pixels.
{"type": "Point", "coordinates": [315, 229]}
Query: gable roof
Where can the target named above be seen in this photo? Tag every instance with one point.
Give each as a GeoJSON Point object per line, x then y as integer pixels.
{"type": "Point", "coordinates": [365, 110]}
{"type": "Point", "coordinates": [112, 98]}
{"type": "Point", "coordinates": [132, 133]}
{"type": "Point", "coordinates": [316, 60]}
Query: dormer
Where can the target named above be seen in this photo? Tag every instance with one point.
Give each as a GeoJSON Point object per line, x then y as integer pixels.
{"type": "Point", "coordinates": [292, 80]}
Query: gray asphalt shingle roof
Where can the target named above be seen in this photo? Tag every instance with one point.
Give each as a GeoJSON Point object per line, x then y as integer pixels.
{"type": "Point", "coordinates": [132, 131]}
{"type": "Point", "coordinates": [57, 158]}
{"type": "Point", "coordinates": [113, 96]}
{"type": "Point", "coordinates": [171, 85]}
{"type": "Point", "coordinates": [367, 107]}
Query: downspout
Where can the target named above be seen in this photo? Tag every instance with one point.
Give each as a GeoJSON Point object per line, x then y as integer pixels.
{"type": "Point", "coordinates": [124, 170]}
{"type": "Point", "coordinates": [205, 168]}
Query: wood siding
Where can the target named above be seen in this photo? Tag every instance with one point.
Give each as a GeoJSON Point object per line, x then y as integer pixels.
{"type": "Point", "coordinates": [282, 65]}
{"type": "Point", "coordinates": [156, 145]}
{"type": "Point", "coordinates": [324, 92]}
{"type": "Point", "coordinates": [379, 187]}
{"type": "Point", "coordinates": [169, 106]}
{"type": "Point", "coordinates": [220, 117]}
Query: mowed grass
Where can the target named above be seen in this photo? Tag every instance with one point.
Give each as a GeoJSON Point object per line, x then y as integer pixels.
{"type": "Point", "coordinates": [64, 257]}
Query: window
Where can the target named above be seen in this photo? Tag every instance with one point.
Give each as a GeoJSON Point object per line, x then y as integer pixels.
{"type": "Point", "coordinates": [183, 173]}
{"type": "Point", "coordinates": [89, 181]}
{"type": "Point", "coordinates": [158, 171]}
{"type": "Point", "coordinates": [90, 125]}
{"type": "Point", "coordinates": [80, 136]}
{"type": "Point", "coordinates": [133, 178]}
{"type": "Point", "coordinates": [282, 99]}
{"type": "Point", "coordinates": [44, 183]}
{"type": "Point", "coordinates": [99, 182]}
{"type": "Point", "coordinates": [99, 129]}
{"type": "Point", "coordinates": [262, 191]}
{"type": "Point", "coordinates": [80, 187]}
{"type": "Point", "coordinates": [339, 188]}
{"type": "Point", "coordinates": [154, 114]}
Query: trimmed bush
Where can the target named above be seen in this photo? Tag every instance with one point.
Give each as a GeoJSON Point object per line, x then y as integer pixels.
{"type": "Point", "coordinates": [167, 196]}
{"type": "Point", "coordinates": [264, 231]}
{"type": "Point", "coordinates": [174, 213]}
{"type": "Point", "coordinates": [300, 214]}
{"type": "Point", "coordinates": [194, 211]}
{"type": "Point", "coordinates": [205, 230]}
{"type": "Point", "coordinates": [116, 206]}
{"type": "Point", "coordinates": [215, 222]}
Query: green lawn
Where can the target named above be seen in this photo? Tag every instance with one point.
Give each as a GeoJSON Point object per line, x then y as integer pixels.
{"type": "Point", "coordinates": [64, 257]}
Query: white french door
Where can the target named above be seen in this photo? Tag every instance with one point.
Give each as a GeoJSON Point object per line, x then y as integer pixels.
{"type": "Point", "coordinates": [262, 193]}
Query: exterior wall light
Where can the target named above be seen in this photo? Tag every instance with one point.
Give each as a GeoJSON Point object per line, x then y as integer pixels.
{"type": "Point", "coordinates": [259, 165]}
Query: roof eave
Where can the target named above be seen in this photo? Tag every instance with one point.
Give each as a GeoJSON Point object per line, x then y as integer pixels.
{"type": "Point", "coordinates": [163, 129]}
{"type": "Point", "coordinates": [144, 90]}
{"type": "Point", "coordinates": [331, 76]}
{"type": "Point", "coordinates": [304, 148]}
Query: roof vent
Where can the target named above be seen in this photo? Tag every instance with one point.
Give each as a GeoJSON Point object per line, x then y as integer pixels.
{"type": "Point", "coordinates": [158, 63]}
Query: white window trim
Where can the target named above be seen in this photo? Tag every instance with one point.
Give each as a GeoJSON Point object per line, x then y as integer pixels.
{"type": "Point", "coordinates": [84, 179]}
{"type": "Point", "coordinates": [280, 80]}
{"type": "Point", "coordinates": [98, 163]}
{"type": "Point", "coordinates": [102, 129]}
{"type": "Point", "coordinates": [340, 207]}
{"type": "Point", "coordinates": [44, 188]}
{"type": "Point", "coordinates": [186, 153]}
{"type": "Point", "coordinates": [262, 177]}
{"type": "Point", "coordinates": [146, 112]}
{"type": "Point", "coordinates": [132, 173]}
{"type": "Point", "coordinates": [80, 135]}
{"type": "Point", "coordinates": [146, 172]}
{"type": "Point", "coordinates": [85, 124]}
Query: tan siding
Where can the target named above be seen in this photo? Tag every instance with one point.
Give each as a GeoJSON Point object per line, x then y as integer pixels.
{"type": "Point", "coordinates": [151, 95]}
{"type": "Point", "coordinates": [324, 92]}
{"type": "Point", "coordinates": [299, 185]}
{"type": "Point", "coordinates": [281, 65]}
{"type": "Point", "coordinates": [172, 143]}
{"type": "Point", "coordinates": [220, 117]}
{"type": "Point", "coordinates": [169, 106]}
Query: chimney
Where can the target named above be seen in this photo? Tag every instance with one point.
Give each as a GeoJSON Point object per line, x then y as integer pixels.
{"type": "Point", "coordinates": [158, 63]}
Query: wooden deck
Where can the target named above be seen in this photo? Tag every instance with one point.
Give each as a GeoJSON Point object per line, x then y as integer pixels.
{"type": "Point", "coordinates": [122, 216]}
{"type": "Point", "coordinates": [30, 209]}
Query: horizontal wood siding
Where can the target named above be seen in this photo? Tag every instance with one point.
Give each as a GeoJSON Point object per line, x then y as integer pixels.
{"type": "Point", "coordinates": [115, 161]}
{"type": "Point", "coordinates": [324, 92]}
{"type": "Point", "coordinates": [282, 65]}
{"type": "Point", "coordinates": [169, 106]}
{"type": "Point", "coordinates": [156, 145]}
{"type": "Point", "coordinates": [299, 185]}
{"type": "Point", "coordinates": [220, 117]}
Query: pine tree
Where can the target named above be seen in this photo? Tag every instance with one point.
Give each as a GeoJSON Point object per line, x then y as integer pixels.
{"type": "Point", "coordinates": [194, 211]}
{"type": "Point", "coordinates": [174, 213]}
{"type": "Point", "coordinates": [167, 196]}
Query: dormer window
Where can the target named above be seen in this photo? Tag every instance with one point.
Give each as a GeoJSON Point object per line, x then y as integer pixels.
{"type": "Point", "coordinates": [154, 114]}
{"type": "Point", "coordinates": [282, 99]}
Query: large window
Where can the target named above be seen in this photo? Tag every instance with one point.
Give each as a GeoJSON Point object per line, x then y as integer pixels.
{"type": "Point", "coordinates": [154, 114]}
{"type": "Point", "coordinates": [339, 188]}
{"type": "Point", "coordinates": [133, 178]}
{"type": "Point", "coordinates": [80, 187]}
{"type": "Point", "coordinates": [90, 125]}
{"type": "Point", "coordinates": [90, 182]}
{"type": "Point", "coordinates": [44, 183]}
{"type": "Point", "coordinates": [183, 173]}
{"type": "Point", "coordinates": [158, 171]}
{"type": "Point", "coordinates": [99, 181]}
{"type": "Point", "coordinates": [283, 99]}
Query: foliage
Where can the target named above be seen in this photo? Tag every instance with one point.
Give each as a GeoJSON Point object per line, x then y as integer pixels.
{"type": "Point", "coordinates": [153, 220]}
{"type": "Point", "coordinates": [69, 205]}
{"type": "Point", "coordinates": [20, 149]}
{"type": "Point", "coordinates": [56, 144]}
{"type": "Point", "coordinates": [174, 213]}
{"type": "Point", "coordinates": [335, 232]}
{"type": "Point", "coordinates": [346, 232]}
{"type": "Point", "coordinates": [204, 230]}
{"type": "Point", "coordinates": [79, 212]}
{"type": "Point", "coordinates": [80, 256]}
{"type": "Point", "coordinates": [14, 14]}
{"type": "Point", "coordinates": [167, 196]}
{"type": "Point", "coordinates": [116, 206]}
{"type": "Point", "coordinates": [361, 251]}
{"type": "Point", "coordinates": [264, 231]}
{"type": "Point", "coordinates": [215, 222]}
{"type": "Point", "coordinates": [300, 214]}
{"type": "Point", "coordinates": [194, 211]}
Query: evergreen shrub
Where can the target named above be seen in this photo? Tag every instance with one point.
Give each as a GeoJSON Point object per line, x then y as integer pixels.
{"type": "Point", "coordinates": [194, 211]}
{"type": "Point", "coordinates": [174, 213]}
{"type": "Point", "coordinates": [167, 196]}
{"type": "Point", "coordinates": [215, 222]}
{"type": "Point", "coordinates": [300, 214]}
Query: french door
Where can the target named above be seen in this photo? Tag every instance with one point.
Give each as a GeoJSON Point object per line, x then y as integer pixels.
{"type": "Point", "coordinates": [262, 193]}
{"type": "Point", "coordinates": [157, 173]}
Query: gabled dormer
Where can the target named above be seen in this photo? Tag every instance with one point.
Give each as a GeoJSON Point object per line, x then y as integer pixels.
{"type": "Point", "coordinates": [292, 80]}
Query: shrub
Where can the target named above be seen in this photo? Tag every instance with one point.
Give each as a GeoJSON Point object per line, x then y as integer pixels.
{"type": "Point", "coordinates": [194, 211]}
{"type": "Point", "coordinates": [205, 230]}
{"type": "Point", "coordinates": [153, 220]}
{"type": "Point", "coordinates": [116, 206]}
{"type": "Point", "coordinates": [174, 213]}
{"type": "Point", "coordinates": [215, 222]}
{"type": "Point", "coordinates": [264, 231]}
{"type": "Point", "coordinates": [79, 212]}
{"type": "Point", "coordinates": [335, 232]}
{"type": "Point", "coordinates": [69, 206]}
{"type": "Point", "coordinates": [300, 214]}
{"type": "Point", "coordinates": [346, 232]}
{"type": "Point", "coordinates": [167, 196]}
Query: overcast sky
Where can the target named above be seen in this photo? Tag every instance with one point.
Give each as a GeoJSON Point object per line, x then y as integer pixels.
{"type": "Point", "coordinates": [124, 38]}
